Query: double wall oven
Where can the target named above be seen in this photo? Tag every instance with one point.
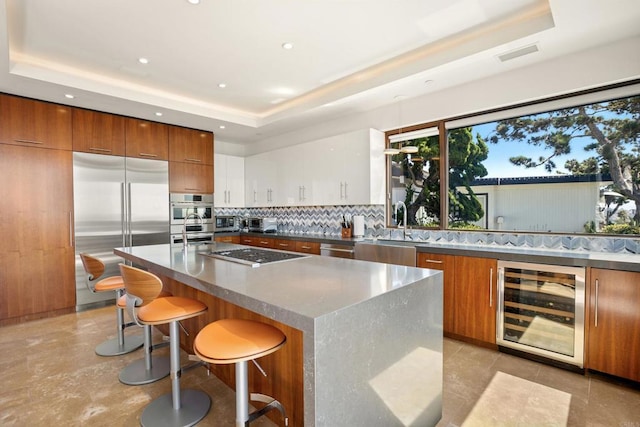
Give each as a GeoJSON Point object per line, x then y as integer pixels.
{"type": "Point", "coordinates": [193, 214]}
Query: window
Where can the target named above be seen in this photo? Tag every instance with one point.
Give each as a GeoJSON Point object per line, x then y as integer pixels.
{"type": "Point", "coordinates": [570, 165]}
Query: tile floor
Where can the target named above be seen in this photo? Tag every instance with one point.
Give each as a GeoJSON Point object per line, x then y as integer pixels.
{"type": "Point", "coordinates": [52, 377]}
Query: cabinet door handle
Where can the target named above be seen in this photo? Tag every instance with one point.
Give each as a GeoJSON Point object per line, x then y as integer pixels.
{"type": "Point", "coordinates": [596, 308]}
{"type": "Point", "coordinates": [147, 155]}
{"type": "Point", "coordinates": [71, 228]}
{"type": "Point", "coordinates": [433, 261]}
{"type": "Point", "coordinates": [193, 160]}
{"type": "Point", "coordinates": [100, 150]}
{"type": "Point", "coordinates": [306, 247]}
{"type": "Point", "coordinates": [345, 189]}
{"type": "Point", "coordinates": [193, 189]}
{"type": "Point", "coordinates": [28, 141]}
{"type": "Point", "coordinates": [341, 190]}
{"type": "Point", "coordinates": [255, 196]}
{"type": "Point", "coordinates": [491, 287]}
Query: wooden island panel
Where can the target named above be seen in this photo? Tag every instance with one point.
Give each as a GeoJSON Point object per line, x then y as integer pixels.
{"type": "Point", "coordinates": [285, 364]}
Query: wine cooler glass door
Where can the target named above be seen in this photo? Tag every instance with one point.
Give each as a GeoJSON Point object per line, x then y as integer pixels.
{"type": "Point", "coordinates": [541, 310]}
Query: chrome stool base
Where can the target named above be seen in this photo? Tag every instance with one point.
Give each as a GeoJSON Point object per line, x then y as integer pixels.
{"type": "Point", "coordinates": [113, 347]}
{"type": "Point", "coordinates": [195, 405]}
{"type": "Point", "coordinates": [137, 373]}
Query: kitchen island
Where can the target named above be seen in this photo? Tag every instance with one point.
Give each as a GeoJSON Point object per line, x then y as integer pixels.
{"type": "Point", "coordinates": [370, 334]}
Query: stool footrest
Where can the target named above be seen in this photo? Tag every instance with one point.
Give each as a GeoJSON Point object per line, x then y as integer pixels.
{"type": "Point", "coordinates": [271, 404]}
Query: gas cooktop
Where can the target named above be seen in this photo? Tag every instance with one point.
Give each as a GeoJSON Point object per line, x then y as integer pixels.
{"type": "Point", "coordinates": [253, 257]}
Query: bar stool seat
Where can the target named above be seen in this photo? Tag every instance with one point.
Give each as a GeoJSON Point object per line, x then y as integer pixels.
{"type": "Point", "coordinates": [150, 368]}
{"type": "Point", "coordinates": [94, 268]}
{"type": "Point", "coordinates": [238, 341]}
{"type": "Point", "coordinates": [180, 407]}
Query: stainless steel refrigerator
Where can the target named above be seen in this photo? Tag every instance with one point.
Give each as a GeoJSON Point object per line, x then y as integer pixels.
{"type": "Point", "coordinates": [118, 202]}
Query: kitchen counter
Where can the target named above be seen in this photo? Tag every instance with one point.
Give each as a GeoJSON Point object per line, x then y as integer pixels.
{"type": "Point", "coordinates": [372, 333]}
{"type": "Point", "coordinates": [605, 260]}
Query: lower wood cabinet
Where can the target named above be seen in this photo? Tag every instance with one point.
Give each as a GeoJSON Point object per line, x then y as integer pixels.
{"type": "Point", "coordinates": [285, 245]}
{"type": "Point", "coordinates": [614, 323]}
{"type": "Point", "coordinates": [265, 242]}
{"type": "Point", "coordinates": [308, 247]}
{"type": "Point", "coordinates": [190, 178]}
{"type": "Point", "coordinates": [37, 257]}
{"type": "Point", "coordinates": [469, 294]}
{"type": "Point", "coordinates": [444, 263]}
{"type": "Point", "coordinates": [228, 239]}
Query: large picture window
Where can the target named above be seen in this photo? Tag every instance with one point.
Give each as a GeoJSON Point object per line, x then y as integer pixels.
{"type": "Point", "coordinates": [574, 169]}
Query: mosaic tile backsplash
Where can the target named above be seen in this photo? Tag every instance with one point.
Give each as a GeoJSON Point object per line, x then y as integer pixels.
{"type": "Point", "coordinates": [325, 221]}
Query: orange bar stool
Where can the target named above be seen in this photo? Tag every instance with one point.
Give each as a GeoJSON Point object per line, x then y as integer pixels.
{"type": "Point", "coordinates": [150, 368]}
{"type": "Point", "coordinates": [237, 341]}
{"type": "Point", "coordinates": [180, 407]}
{"type": "Point", "coordinates": [118, 345]}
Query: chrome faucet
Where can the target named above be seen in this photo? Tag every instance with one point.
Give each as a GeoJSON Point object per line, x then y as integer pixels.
{"type": "Point", "coordinates": [184, 226]}
{"type": "Point", "coordinates": [404, 218]}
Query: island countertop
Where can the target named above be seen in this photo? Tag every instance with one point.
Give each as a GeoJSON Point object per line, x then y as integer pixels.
{"type": "Point", "coordinates": [371, 332]}
{"type": "Point", "coordinates": [294, 292]}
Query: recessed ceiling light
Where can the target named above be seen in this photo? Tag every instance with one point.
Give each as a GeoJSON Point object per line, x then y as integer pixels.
{"type": "Point", "coordinates": [68, 95]}
{"type": "Point", "coordinates": [194, 1]}
{"type": "Point", "coordinates": [158, 113]}
{"type": "Point", "coordinates": [287, 46]}
{"type": "Point", "coordinates": [143, 60]}
{"type": "Point", "coordinates": [222, 126]}
{"type": "Point", "coordinates": [222, 85]}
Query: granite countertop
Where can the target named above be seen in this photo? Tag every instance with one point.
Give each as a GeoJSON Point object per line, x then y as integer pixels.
{"type": "Point", "coordinates": [606, 260]}
{"type": "Point", "coordinates": [276, 290]}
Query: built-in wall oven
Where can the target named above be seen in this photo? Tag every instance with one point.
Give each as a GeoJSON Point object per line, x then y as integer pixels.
{"type": "Point", "coordinates": [191, 215]}
{"type": "Point", "coordinates": [541, 310]}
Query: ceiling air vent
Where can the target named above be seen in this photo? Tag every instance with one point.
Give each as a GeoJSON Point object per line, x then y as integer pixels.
{"type": "Point", "coordinates": [518, 52]}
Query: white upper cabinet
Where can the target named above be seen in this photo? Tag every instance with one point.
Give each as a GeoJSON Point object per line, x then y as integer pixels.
{"type": "Point", "coordinates": [261, 174]}
{"type": "Point", "coordinates": [346, 169]}
{"type": "Point", "coordinates": [229, 181]}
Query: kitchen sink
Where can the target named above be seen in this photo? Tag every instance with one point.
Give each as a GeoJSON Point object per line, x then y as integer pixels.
{"type": "Point", "coordinates": [387, 251]}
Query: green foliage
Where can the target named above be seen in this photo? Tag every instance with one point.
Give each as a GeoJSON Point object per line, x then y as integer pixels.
{"type": "Point", "coordinates": [621, 229]}
{"type": "Point", "coordinates": [462, 225]}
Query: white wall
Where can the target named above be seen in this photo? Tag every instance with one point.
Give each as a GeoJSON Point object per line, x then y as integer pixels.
{"type": "Point", "coordinates": [611, 63]}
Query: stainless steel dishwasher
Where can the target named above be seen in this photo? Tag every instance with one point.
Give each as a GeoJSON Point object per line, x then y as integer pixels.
{"type": "Point", "coordinates": [387, 253]}
{"type": "Point", "coordinates": [337, 250]}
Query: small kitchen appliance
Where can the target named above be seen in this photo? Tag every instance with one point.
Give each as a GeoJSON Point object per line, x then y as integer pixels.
{"type": "Point", "coordinates": [263, 225]}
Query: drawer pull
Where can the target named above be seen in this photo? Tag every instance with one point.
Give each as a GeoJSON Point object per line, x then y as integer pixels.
{"type": "Point", "coordinates": [433, 261]}
{"type": "Point", "coordinates": [148, 155]}
{"type": "Point", "coordinates": [306, 247]}
{"type": "Point", "coordinates": [29, 141]}
{"type": "Point", "coordinates": [100, 150]}
{"type": "Point", "coordinates": [194, 160]}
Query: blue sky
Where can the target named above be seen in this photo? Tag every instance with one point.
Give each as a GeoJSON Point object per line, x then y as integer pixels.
{"type": "Point", "coordinates": [499, 166]}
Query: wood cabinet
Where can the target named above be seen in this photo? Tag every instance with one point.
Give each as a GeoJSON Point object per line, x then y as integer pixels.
{"type": "Point", "coordinates": [469, 294]}
{"type": "Point", "coordinates": [265, 242]}
{"type": "Point", "coordinates": [37, 258]}
{"type": "Point", "coordinates": [285, 245]}
{"type": "Point", "coordinates": [475, 298]}
{"type": "Point", "coordinates": [190, 178]}
{"type": "Point", "coordinates": [98, 133]}
{"type": "Point", "coordinates": [444, 263]}
{"type": "Point", "coordinates": [146, 140]}
{"type": "Point", "coordinates": [614, 323]}
{"type": "Point", "coordinates": [190, 161]}
{"type": "Point", "coordinates": [190, 146]}
{"type": "Point", "coordinates": [228, 176]}
{"type": "Point", "coordinates": [35, 123]}
{"type": "Point", "coordinates": [308, 247]}
{"type": "Point", "coordinates": [228, 239]}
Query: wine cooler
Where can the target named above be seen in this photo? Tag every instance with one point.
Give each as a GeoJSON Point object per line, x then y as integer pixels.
{"type": "Point", "coordinates": [541, 310]}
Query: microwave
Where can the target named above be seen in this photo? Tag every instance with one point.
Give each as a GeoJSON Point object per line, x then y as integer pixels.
{"type": "Point", "coordinates": [226, 223]}
{"type": "Point", "coordinates": [263, 225]}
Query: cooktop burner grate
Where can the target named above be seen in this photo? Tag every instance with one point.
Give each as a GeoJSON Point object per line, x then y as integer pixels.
{"type": "Point", "coordinates": [253, 257]}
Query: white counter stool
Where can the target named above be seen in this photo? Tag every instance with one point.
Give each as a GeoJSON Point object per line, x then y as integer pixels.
{"type": "Point", "coordinates": [150, 368]}
{"type": "Point", "coordinates": [180, 407]}
{"type": "Point", "coordinates": [237, 341]}
{"type": "Point", "coordinates": [94, 268]}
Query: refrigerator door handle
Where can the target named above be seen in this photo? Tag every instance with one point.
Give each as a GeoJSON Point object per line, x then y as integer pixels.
{"type": "Point", "coordinates": [123, 213]}
{"type": "Point", "coordinates": [129, 231]}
